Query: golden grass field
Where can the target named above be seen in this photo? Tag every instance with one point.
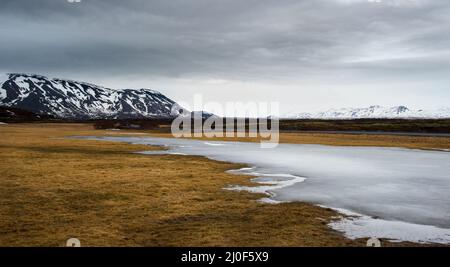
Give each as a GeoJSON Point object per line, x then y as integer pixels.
{"type": "Point", "coordinates": [53, 188]}
{"type": "Point", "coordinates": [413, 142]}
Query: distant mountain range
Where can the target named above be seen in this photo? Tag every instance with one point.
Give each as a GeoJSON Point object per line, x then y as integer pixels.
{"type": "Point", "coordinates": [373, 112]}
{"type": "Point", "coordinates": [67, 99]}
{"type": "Point", "coordinates": [79, 100]}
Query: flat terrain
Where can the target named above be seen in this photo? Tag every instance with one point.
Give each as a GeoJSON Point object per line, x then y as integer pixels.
{"type": "Point", "coordinates": [385, 125]}
{"type": "Point", "coordinates": [53, 188]}
{"type": "Point", "coordinates": [412, 126]}
{"type": "Point", "coordinates": [335, 139]}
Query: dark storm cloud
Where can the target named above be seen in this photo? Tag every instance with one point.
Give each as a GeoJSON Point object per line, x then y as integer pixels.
{"type": "Point", "coordinates": [231, 39]}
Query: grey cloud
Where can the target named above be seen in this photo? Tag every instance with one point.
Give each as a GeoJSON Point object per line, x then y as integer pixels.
{"type": "Point", "coordinates": [253, 39]}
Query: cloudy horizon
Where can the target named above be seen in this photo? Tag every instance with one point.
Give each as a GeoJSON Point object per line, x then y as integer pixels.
{"type": "Point", "coordinates": [309, 55]}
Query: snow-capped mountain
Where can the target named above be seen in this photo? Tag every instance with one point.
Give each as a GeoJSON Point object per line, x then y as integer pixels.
{"type": "Point", "coordinates": [373, 112]}
{"type": "Point", "coordinates": [79, 100]}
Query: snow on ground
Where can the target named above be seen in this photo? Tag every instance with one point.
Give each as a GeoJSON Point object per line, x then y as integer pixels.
{"type": "Point", "coordinates": [361, 226]}
{"type": "Point", "coordinates": [268, 183]}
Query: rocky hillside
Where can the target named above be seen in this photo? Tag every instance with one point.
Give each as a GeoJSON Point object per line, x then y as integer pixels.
{"type": "Point", "coordinates": [79, 100]}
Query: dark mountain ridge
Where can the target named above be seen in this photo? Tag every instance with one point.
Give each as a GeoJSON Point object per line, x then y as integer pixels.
{"type": "Point", "coordinates": [69, 99]}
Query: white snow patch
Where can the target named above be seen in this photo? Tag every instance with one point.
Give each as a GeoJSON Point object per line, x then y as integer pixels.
{"type": "Point", "coordinates": [268, 184]}
{"type": "Point", "coordinates": [213, 144]}
{"type": "Point", "coordinates": [3, 78]}
{"type": "Point", "coordinates": [268, 200]}
{"type": "Point", "coordinates": [116, 133]}
{"type": "Point", "coordinates": [3, 93]}
{"type": "Point", "coordinates": [243, 169]}
{"type": "Point", "coordinates": [362, 226]}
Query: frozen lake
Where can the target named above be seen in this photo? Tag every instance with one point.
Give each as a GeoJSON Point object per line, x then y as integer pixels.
{"type": "Point", "coordinates": [394, 193]}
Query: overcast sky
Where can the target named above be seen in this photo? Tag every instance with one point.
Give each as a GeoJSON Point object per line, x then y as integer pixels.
{"type": "Point", "coordinates": [307, 54]}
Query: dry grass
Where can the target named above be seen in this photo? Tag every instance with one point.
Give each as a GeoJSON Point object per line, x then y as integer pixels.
{"type": "Point", "coordinates": [416, 142]}
{"type": "Point", "coordinates": [52, 189]}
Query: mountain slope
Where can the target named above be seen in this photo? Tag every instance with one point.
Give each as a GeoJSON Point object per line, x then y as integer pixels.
{"type": "Point", "coordinates": [9, 114]}
{"type": "Point", "coordinates": [373, 112]}
{"type": "Point", "coordinates": [79, 100]}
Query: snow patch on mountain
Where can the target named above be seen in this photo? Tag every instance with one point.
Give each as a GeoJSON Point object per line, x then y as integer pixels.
{"type": "Point", "coordinates": [373, 112]}
{"type": "Point", "coordinates": [3, 77]}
